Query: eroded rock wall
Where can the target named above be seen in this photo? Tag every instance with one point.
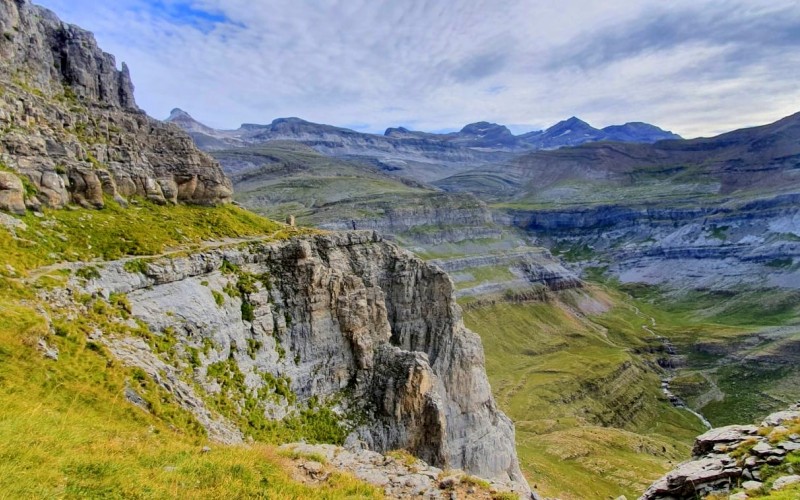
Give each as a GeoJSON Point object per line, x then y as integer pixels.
{"type": "Point", "coordinates": [71, 129]}
{"type": "Point", "coordinates": [341, 317]}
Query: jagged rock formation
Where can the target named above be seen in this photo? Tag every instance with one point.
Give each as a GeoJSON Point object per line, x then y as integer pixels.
{"type": "Point", "coordinates": [336, 317]}
{"type": "Point", "coordinates": [70, 127]}
{"type": "Point", "coordinates": [732, 457]}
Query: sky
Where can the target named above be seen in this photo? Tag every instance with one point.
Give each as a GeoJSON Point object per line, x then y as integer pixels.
{"type": "Point", "coordinates": [696, 67]}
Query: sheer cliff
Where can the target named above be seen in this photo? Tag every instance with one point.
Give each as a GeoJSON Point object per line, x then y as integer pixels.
{"type": "Point", "coordinates": [343, 319]}
{"type": "Point", "coordinates": [70, 129]}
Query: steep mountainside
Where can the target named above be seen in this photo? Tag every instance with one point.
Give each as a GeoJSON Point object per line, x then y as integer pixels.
{"type": "Point", "coordinates": [341, 320]}
{"type": "Point", "coordinates": [168, 327]}
{"type": "Point", "coordinates": [70, 126]}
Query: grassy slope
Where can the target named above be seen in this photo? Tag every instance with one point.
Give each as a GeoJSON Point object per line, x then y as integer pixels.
{"type": "Point", "coordinates": [708, 327]}
{"type": "Point", "coordinates": [591, 421]}
{"type": "Point", "coordinates": [284, 178]}
{"type": "Point", "coordinates": [66, 430]}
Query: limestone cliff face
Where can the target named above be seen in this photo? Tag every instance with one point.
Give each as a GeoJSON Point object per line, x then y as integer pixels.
{"type": "Point", "coordinates": [69, 124]}
{"type": "Point", "coordinates": [341, 317]}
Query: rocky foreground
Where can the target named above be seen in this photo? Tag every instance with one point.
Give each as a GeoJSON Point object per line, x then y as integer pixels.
{"type": "Point", "coordinates": [743, 461]}
{"type": "Point", "coordinates": [399, 474]}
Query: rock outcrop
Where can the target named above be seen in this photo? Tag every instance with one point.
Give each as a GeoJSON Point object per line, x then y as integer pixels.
{"type": "Point", "coordinates": [399, 475]}
{"type": "Point", "coordinates": [70, 125]}
{"type": "Point", "coordinates": [732, 458]}
{"type": "Point", "coordinates": [342, 318]}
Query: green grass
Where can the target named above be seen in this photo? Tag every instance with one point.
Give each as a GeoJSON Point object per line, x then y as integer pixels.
{"type": "Point", "coordinates": [114, 232]}
{"type": "Point", "coordinates": [591, 421]}
{"type": "Point", "coordinates": [479, 275]}
{"type": "Point", "coordinates": [66, 428]}
{"type": "Point", "coordinates": [67, 431]}
{"type": "Point", "coordinates": [708, 326]}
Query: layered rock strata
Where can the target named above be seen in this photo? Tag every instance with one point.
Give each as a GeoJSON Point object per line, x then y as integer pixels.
{"type": "Point", "coordinates": [70, 129]}
{"type": "Point", "coordinates": [344, 318]}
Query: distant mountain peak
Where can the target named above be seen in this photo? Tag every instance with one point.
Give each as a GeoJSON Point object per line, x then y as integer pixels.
{"type": "Point", "coordinates": [179, 114]}
{"type": "Point", "coordinates": [484, 128]}
{"type": "Point", "coordinates": [573, 123]}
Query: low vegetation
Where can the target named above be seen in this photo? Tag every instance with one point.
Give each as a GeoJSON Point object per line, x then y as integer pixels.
{"type": "Point", "coordinates": [115, 232]}
{"type": "Point", "coordinates": [591, 420]}
{"type": "Point", "coordinates": [68, 429]}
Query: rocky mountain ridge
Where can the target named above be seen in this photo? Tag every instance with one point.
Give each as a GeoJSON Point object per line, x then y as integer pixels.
{"type": "Point", "coordinates": [70, 129]}
{"type": "Point", "coordinates": [474, 144]}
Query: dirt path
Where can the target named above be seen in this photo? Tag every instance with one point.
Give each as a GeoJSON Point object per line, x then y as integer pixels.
{"type": "Point", "coordinates": [37, 273]}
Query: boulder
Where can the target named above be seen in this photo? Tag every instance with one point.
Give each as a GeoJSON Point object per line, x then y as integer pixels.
{"type": "Point", "coordinates": [783, 482]}
{"type": "Point", "coordinates": [722, 435]}
{"type": "Point", "coordinates": [12, 193]}
{"type": "Point", "coordinates": [780, 417]}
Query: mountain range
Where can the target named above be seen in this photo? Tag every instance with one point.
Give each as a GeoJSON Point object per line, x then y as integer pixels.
{"type": "Point", "coordinates": [480, 135]}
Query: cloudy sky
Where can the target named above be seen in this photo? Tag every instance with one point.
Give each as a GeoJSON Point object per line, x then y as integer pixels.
{"type": "Point", "coordinates": [697, 67]}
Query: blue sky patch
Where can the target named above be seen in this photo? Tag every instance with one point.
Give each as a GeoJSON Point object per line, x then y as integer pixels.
{"type": "Point", "coordinates": [186, 13]}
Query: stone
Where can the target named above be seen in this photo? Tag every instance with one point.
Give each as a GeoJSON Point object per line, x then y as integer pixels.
{"type": "Point", "coordinates": [313, 467]}
{"type": "Point", "coordinates": [449, 482]}
{"type": "Point", "coordinates": [691, 477]}
{"type": "Point", "coordinates": [205, 449]}
{"type": "Point", "coordinates": [774, 460]}
{"type": "Point", "coordinates": [48, 351]}
{"type": "Point", "coordinates": [722, 435]}
{"type": "Point", "coordinates": [789, 446]}
{"type": "Point", "coordinates": [738, 496]}
{"type": "Point", "coordinates": [12, 224]}
{"type": "Point", "coordinates": [12, 193]}
{"type": "Point", "coordinates": [762, 449]}
{"type": "Point", "coordinates": [134, 398]}
{"type": "Point", "coordinates": [780, 417]}
{"type": "Point", "coordinates": [752, 485]}
{"type": "Point", "coordinates": [783, 482]}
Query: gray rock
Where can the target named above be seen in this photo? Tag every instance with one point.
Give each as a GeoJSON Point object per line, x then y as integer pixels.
{"type": "Point", "coordinates": [763, 449]}
{"type": "Point", "coordinates": [77, 133]}
{"type": "Point", "coordinates": [48, 351]}
{"type": "Point", "coordinates": [134, 398]}
{"type": "Point", "coordinates": [789, 446]}
{"type": "Point", "coordinates": [349, 311]}
{"type": "Point", "coordinates": [783, 482]}
{"type": "Point", "coordinates": [722, 435]}
{"type": "Point", "coordinates": [693, 477]}
{"type": "Point", "coordinates": [738, 496]}
{"type": "Point", "coordinates": [752, 485]}
{"type": "Point", "coordinates": [780, 417]}
{"type": "Point", "coordinates": [12, 193]}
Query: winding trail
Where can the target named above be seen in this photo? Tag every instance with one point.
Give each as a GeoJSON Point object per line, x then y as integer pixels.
{"type": "Point", "coordinates": [37, 273]}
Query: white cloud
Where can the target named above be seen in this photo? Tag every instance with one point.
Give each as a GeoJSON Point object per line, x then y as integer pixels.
{"type": "Point", "coordinates": [435, 64]}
